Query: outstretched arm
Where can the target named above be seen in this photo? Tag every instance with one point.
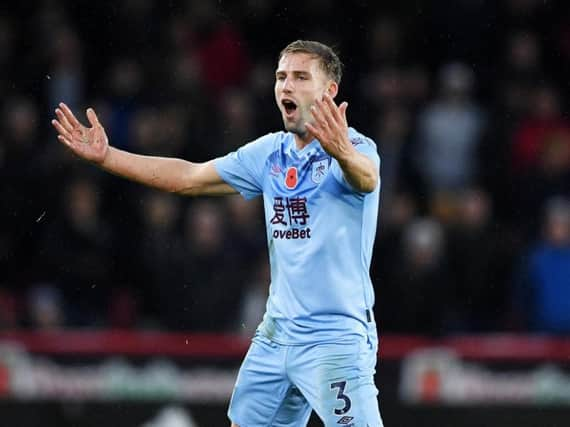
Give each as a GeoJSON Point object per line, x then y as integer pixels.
{"type": "Point", "coordinates": [331, 129]}
{"type": "Point", "coordinates": [167, 174]}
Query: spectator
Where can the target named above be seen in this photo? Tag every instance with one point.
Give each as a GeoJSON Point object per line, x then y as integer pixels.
{"type": "Point", "coordinates": [393, 134]}
{"type": "Point", "coordinates": [542, 293]}
{"type": "Point", "coordinates": [540, 158]}
{"type": "Point", "coordinates": [45, 307]}
{"type": "Point", "coordinates": [396, 217]}
{"type": "Point", "coordinates": [219, 47]}
{"type": "Point", "coordinates": [416, 298]}
{"type": "Point", "coordinates": [75, 251]}
{"type": "Point", "coordinates": [205, 297]}
{"type": "Point", "coordinates": [123, 309]}
{"type": "Point", "coordinates": [238, 118]}
{"type": "Point", "coordinates": [485, 183]}
{"type": "Point", "coordinates": [543, 125]}
{"type": "Point", "coordinates": [246, 231]}
{"type": "Point", "coordinates": [521, 69]}
{"type": "Point", "coordinates": [160, 254]}
{"type": "Point", "coordinates": [450, 130]}
{"type": "Point", "coordinates": [24, 200]}
{"type": "Point", "coordinates": [125, 78]}
{"type": "Point", "coordinates": [479, 255]}
{"type": "Point", "coordinates": [10, 315]}
{"type": "Point", "coordinates": [252, 304]}
{"type": "Point", "coordinates": [65, 79]}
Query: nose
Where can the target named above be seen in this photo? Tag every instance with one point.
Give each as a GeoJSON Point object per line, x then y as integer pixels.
{"type": "Point", "coordinates": [288, 85]}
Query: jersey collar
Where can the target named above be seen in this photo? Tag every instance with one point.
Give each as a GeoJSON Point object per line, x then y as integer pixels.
{"type": "Point", "coordinates": [307, 151]}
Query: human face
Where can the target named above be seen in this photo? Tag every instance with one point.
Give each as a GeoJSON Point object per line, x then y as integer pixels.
{"type": "Point", "coordinates": [299, 81]}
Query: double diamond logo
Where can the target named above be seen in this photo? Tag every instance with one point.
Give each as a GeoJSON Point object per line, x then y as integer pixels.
{"type": "Point", "coordinates": [345, 420]}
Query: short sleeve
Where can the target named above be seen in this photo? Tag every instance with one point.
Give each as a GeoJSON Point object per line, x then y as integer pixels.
{"type": "Point", "coordinates": [243, 169]}
{"type": "Point", "coordinates": [362, 145]}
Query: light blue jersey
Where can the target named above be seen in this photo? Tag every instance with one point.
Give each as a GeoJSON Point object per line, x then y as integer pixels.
{"type": "Point", "coordinates": [320, 234]}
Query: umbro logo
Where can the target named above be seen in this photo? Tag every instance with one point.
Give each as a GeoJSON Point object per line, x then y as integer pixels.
{"type": "Point", "coordinates": [345, 420]}
{"type": "Point", "coordinates": [275, 170]}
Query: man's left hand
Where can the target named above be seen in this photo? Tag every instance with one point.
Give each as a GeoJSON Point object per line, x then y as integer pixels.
{"type": "Point", "coordinates": [330, 127]}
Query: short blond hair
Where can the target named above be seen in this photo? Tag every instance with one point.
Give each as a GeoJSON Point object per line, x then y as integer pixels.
{"type": "Point", "coordinates": [329, 60]}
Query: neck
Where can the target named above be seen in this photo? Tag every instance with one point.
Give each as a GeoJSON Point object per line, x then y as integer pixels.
{"type": "Point", "coordinates": [301, 141]}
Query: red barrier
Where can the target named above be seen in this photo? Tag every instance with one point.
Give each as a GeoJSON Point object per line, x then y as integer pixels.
{"type": "Point", "coordinates": [198, 345]}
{"type": "Point", "coordinates": [492, 347]}
{"type": "Point", "coordinates": [129, 343]}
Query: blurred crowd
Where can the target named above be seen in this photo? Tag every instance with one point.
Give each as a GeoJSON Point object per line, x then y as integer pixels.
{"type": "Point", "coordinates": [465, 99]}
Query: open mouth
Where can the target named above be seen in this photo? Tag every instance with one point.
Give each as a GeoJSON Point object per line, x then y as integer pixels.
{"type": "Point", "coordinates": [289, 105]}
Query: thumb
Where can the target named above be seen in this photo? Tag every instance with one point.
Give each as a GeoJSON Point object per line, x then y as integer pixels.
{"type": "Point", "coordinates": [92, 117]}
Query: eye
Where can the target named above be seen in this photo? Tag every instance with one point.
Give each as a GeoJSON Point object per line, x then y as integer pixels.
{"type": "Point", "coordinates": [280, 78]}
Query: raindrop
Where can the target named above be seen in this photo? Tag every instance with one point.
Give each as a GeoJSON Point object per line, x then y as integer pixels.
{"type": "Point", "coordinates": [41, 216]}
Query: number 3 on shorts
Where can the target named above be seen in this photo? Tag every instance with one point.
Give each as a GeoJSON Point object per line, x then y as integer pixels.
{"type": "Point", "coordinates": [341, 396]}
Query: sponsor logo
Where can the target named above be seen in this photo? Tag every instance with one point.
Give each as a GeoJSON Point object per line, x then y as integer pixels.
{"type": "Point", "coordinates": [345, 420]}
{"type": "Point", "coordinates": [290, 212]}
{"type": "Point", "coordinates": [275, 170]}
{"type": "Point", "coordinates": [295, 233]}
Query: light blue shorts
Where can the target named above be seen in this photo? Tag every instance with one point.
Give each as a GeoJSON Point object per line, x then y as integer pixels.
{"type": "Point", "coordinates": [278, 385]}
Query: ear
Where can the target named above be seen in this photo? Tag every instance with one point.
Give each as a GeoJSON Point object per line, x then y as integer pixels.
{"type": "Point", "coordinates": [332, 88]}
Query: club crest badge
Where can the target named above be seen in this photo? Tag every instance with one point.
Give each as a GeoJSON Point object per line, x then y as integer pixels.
{"type": "Point", "coordinates": [319, 170]}
{"type": "Point", "coordinates": [291, 178]}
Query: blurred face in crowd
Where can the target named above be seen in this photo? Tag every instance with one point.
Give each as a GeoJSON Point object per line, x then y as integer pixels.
{"type": "Point", "coordinates": [83, 202]}
{"type": "Point", "coordinates": [557, 227]}
{"type": "Point", "coordinates": [546, 103]}
{"type": "Point", "coordinates": [299, 81]}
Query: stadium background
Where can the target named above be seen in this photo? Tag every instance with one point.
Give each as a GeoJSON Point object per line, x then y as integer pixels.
{"type": "Point", "coordinates": [467, 101]}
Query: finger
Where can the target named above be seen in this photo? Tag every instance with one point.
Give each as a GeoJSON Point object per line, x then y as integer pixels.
{"type": "Point", "coordinates": [62, 131]}
{"type": "Point", "coordinates": [65, 141]}
{"type": "Point", "coordinates": [332, 107]}
{"type": "Point", "coordinates": [92, 117]}
{"type": "Point", "coordinates": [314, 130]}
{"type": "Point", "coordinates": [318, 114]}
{"type": "Point", "coordinates": [342, 110]}
{"type": "Point", "coordinates": [327, 113]}
{"type": "Point", "coordinates": [63, 120]}
{"type": "Point", "coordinates": [69, 115]}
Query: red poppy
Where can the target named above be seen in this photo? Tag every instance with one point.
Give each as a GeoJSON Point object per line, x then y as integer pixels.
{"type": "Point", "coordinates": [291, 178]}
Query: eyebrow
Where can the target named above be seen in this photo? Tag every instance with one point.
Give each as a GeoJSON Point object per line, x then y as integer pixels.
{"type": "Point", "coordinates": [295, 73]}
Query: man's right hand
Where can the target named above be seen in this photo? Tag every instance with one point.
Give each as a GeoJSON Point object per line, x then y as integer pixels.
{"type": "Point", "coordinates": [164, 173]}
{"type": "Point", "coordinates": [89, 143]}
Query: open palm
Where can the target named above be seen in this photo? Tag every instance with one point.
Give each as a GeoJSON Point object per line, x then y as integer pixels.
{"type": "Point", "coordinates": [89, 143]}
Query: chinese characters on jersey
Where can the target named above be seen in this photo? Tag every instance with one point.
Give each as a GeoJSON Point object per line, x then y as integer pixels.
{"type": "Point", "coordinates": [290, 212]}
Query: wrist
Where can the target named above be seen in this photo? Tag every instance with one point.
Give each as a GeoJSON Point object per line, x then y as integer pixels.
{"type": "Point", "coordinates": [346, 154]}
{"type": "Point", "coordinates": [105, 161]}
